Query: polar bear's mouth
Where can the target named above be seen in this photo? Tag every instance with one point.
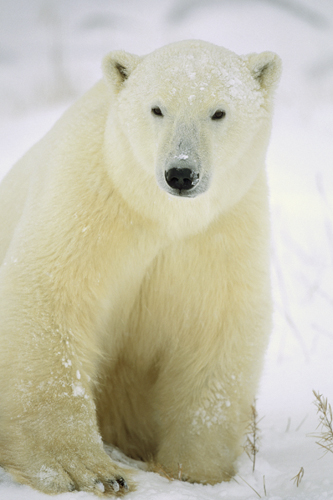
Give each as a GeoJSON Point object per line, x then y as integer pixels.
{"type": "Point", "coordinates": [181, 180]}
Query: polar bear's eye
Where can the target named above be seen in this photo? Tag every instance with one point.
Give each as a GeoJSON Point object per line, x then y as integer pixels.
{"type": "Point", "coordinates": [156, 111]}
{"type": "Point", "coordinates": [218, 115]}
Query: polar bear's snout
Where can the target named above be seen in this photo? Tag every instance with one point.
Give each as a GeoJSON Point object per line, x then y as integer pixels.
{"type": "Point", "coordinates": [181, 178]}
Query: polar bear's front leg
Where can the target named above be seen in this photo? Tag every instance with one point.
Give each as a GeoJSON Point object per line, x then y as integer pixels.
{"type": "Point", "coordinates": [48, 432]}
{"type": "Point", "coordinates": [202, 426]}
{"type": "Point", "coordinates": [49, 437]}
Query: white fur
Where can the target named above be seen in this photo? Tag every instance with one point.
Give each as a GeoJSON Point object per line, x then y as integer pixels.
{"type": "Point", "coordinates": [126, 311]}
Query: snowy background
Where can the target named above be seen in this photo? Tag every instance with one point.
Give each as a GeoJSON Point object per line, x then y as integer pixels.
{"type": "Point", "coordinates": [50, 53]}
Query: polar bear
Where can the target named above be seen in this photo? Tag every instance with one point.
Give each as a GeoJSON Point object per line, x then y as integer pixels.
{"type": "Point", "coordinates": [135, 300]}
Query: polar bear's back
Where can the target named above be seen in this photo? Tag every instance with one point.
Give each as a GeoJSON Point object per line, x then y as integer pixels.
{"type": "Point", "coordinates": [13, 193]}
{"type": "Point", "coordinates": [22, 180]}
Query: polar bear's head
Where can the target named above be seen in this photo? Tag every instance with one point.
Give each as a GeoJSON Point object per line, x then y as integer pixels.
{"type": "Point", "coordinates": [193, 120]}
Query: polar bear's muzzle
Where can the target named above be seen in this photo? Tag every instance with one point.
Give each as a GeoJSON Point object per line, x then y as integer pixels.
{"type": "Point", "coordinates": [182, 173]}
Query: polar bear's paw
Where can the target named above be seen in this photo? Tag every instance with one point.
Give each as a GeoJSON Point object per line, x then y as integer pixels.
{"type": "Point", "coordinates": [71, 471]}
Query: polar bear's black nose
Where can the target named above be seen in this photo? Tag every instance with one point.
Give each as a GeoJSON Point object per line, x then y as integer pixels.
{"type": "Point", "coordinates": [181, 178]}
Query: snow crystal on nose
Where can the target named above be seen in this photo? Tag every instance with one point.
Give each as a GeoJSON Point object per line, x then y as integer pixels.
{"type": "Point", "coordinates": [181, 157]}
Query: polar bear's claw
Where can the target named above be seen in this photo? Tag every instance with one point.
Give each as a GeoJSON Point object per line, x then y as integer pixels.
{"type": "Point", "coordinates": [122, 482]}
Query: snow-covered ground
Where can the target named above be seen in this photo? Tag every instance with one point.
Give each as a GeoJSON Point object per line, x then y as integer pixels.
{"type": "Point", "coordinates": [50, 53]}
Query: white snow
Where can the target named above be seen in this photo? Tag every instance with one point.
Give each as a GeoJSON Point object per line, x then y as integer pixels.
{"type": "Point", "coordinates": [66, 363]}
{"type": "Point", "coordinates": [78, 389]}
{"type": "Point", "coordinates": [47, 474]}
{"type": "Point", "coordinates": [50, 53]}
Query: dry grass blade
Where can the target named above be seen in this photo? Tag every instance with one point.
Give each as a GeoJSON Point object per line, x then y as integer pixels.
{"type": "Point", "coordinates": [256, 492]}
{"type": "Point", "coordinates": [252, 438]}
{"type": "Point", "coordinates": [298, 478]}
{"type": "Point", "coordinates": [324, 410]}
{"type": "Point", "coordinates": [158, 469]}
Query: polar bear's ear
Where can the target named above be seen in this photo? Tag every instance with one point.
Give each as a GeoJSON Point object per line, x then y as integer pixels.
{"type": "Point", "coordinates": [117, 67]}
{"type": "Point", "coordinates": [265, 68]}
